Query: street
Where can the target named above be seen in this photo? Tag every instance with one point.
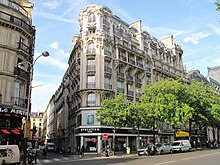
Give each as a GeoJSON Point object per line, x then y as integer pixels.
{"type": "Point", "coordinates": [202, 157]}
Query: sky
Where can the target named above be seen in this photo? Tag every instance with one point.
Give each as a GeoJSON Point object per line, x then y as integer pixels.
{"type": "Point", "coordinates": [195, 25]}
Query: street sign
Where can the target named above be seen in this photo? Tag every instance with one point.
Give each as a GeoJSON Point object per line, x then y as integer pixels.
{"type": "Point", "coordinates": [105, 136]}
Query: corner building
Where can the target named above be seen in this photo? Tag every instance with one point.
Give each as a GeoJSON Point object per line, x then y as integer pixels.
{"type": "Point", "coordinates": [17, 40]}
{"type": "Point", "coordinates": [109, 57]}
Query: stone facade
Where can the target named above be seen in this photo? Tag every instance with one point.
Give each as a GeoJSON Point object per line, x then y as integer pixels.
{"type": "Point", "coordinates": [109, 57]}
{"type": "Point", "coordinates": [16, 53]}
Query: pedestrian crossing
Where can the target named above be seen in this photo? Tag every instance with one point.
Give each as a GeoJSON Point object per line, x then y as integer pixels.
{"type": "Point", "coordinates": [52, 160]}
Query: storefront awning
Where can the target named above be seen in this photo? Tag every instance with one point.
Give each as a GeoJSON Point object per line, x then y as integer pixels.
{"type": "Point", "coordinates": [182, 134]}
{"type": "Point", "coordinates": [14, 131]}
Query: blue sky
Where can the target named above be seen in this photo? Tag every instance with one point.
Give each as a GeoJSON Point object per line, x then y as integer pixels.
{"type": "Point", "coordinates": [195, 25]}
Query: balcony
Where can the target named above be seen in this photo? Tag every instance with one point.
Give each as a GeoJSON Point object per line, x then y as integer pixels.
{"type": "Point", "coordinates": [91, 103]}
{"type": "Point", "coordinates": [122, 57]}
{"type": "Point", "coordinates": [19, 23]}
{"type": "Point", "coordinates": [90, 53]}
{"type": "Point", "coordinates": [137, 95]}
{"type": "Point", "coordinates": [120, 90]}
{"type": "Point", "coordinates": [90, 68]}
{"type": "Point", "coordinates": [131, 61]}
{"type": "Point", "coordinates": [140, 65]}
{"type": "Point", "coordinates": [106, 22]}
{"type": "Point", "coordinates": [107, 53]}
{"type": "Point", "coordinates": [19, 102]}
{"type": "Point", "coordinates": [20, 73]}
{"type": "Point", "coordinates": [129, 78]}
{"type": "Point", "coordinates": [121, 75]}
{"type": "Point", "coordinates": [23, 47]}
{"type": "Point", "coordinates": [138, 80]}
{"type": "Point", "coordinates": [108, 69]}
{"type": "Point", "coordinates": [130, 93]}
{"type": "Point", "coordinates": [107, 86]}
{"type": "Point", "coordinates": [90, 85]}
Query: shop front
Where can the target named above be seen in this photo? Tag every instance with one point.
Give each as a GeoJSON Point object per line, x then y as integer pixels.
{"type": "Point", "coordinates": [93, 141]}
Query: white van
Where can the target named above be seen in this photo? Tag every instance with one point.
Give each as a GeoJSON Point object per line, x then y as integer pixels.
{"type": "Point", "coordinates": [181, 145]}
{"type": "Point", "coordinates": [9, 154]}
{"type": "Point", "coordinates": [50, 146]}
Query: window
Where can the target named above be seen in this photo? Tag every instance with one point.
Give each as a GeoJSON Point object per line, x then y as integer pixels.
{"type": "Point", "coordinates": [91, 18]}
{"type": "Point", "coordinates": [17, 93]}
{"type": "Point", "coordinates": [91, 99]}
{"type": "Point", "coordinates": [39, 124]}
{"type": "Point", "coordinates": [91, 81]}
{"type": "Point", "coordinates": [90, 119]}
{"type": "Point", "coordinates": [91, 48]}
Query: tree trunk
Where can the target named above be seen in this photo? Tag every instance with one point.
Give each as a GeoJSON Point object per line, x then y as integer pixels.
{"type": "Point", "coordinates": [138, 140]}
{"type": "Point", "coordinates": [114, 140]}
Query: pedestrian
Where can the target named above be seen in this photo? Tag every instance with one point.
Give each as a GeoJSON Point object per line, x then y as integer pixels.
{"type": "Point", "coordinates": [45, 151]}
{"type": "Point", "coordinates": [124, 147]}
{"type": "Point", "coordinates": [82, 151]}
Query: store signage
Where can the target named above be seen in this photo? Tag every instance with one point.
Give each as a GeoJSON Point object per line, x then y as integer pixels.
{"type": "Point", "coordinates": [13, 111]}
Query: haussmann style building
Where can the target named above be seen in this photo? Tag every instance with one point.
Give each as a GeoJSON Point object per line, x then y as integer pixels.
{"type": "Point", "coordinates": [17, 40]}
{"type": "Point", "coordinates": [109, 57]}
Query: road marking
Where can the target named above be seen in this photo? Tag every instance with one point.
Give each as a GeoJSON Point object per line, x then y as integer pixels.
{"type": "Point", "coordinates": [165, 162]}
{"type": "Point", "coordinates": [196, 157]}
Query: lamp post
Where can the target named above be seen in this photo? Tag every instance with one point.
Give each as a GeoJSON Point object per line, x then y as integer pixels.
{"type": "Point", "coordinates": [31, 65]}
{"type": "Point", "coordinates": [44, 54]}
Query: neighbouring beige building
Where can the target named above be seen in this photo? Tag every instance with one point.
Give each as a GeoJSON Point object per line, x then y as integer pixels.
{"type": "Point", "coordinates": [17, 41]}
{"type": "Point", "coordinates": [37, 121]}
{"type": "Point", "coordinates": [109, 57]}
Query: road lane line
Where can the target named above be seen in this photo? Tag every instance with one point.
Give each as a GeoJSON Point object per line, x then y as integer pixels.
{"type": "Point", "coordinates": [165, 163]}
{"type": "Point", "coordinates": [196, 157]}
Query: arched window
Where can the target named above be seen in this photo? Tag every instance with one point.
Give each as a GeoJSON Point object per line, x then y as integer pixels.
{"type": "Point", "coordinates": [91, 48]}
{"type": "Point", "coordinates": [91, 18]}
{"type": "Point", "coordinates": [91, 99]}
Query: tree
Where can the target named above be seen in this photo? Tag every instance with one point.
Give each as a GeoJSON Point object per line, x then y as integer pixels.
{"type": "Point", "coordinates": [217, 5]}
{"type": "Point", "coordinates": [136, 118]}
{"type": "Point", "coordinates": [112, 113]}
{"type": "Point", "coordinates": [165, 102]}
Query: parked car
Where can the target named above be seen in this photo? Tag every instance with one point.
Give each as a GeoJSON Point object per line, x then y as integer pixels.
{"type": "Point", "coordinates": [164, 148]}
{"type": "Point", "coordinates": [149, 149]}
{"type": "Point", "coordinates": [181, 145]}
{"type": "Point", "coordinates": [9, 154]}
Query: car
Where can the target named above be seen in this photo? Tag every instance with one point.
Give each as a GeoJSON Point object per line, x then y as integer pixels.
{"type": "Point", "coordinates": [149, 149]}
{"type": "Point", "coordinates": [181, 145]}
{"type": "Point", "coordinates": [9, 154]}
{"type": "Point", "coordinates": [164, 148]}
{"type": "Point", "coordinates": [50, 146]}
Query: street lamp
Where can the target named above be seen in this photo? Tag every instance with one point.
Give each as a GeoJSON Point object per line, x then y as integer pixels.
{"type": "Point", "coordinates": [44, 54]}
{"type": "Point", "coordinates": [31, 65]}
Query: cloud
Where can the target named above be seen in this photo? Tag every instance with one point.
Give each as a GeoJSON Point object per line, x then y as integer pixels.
{"type": "Point", "coordinates": [52, 4]}
{"type": "Point", "coordinates": [216, 61]}
{"type": "Point", "coordinates": [57, 58]}
{"type": "Point", "coordinates": [59, 52]}
{"type": "Point", "coordinates": [42, 94]}
{"type": "Point", "coordinates": [163, 31]}
{"type": "Point", "coordinates": [216, 29]}
{"type": "Point", "coordinates": [194, 39]}
{"type": "Point", "coordinates": [55, 17]}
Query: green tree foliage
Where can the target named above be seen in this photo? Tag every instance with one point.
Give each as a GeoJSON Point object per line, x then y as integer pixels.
{"type": "Point", "coordinates": [165, 102]}
{"type": "Point", "coordinates": [112, 113]}
{"type": "Point", "coordinates": [136, 118]}
{"type": "Point", "coordinates": [217, 5]}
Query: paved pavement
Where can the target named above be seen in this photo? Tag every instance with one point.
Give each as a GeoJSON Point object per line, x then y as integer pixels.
{"type": "Point", "coordinates": [52, 157]}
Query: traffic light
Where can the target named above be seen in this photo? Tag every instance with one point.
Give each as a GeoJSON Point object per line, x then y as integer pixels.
{"type": "Point", "coordinates": [34, 130]}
